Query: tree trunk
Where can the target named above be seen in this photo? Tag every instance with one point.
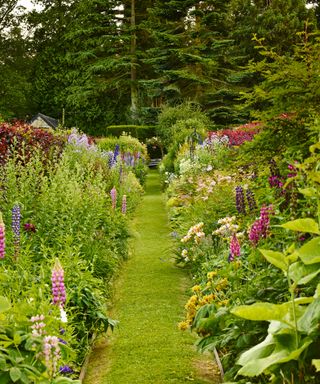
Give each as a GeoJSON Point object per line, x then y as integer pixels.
{"type": "Point", "coordinates": [134, 87]}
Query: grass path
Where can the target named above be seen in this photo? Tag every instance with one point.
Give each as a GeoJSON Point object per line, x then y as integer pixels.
{"type": "Point", "coordinates": [147, 347]}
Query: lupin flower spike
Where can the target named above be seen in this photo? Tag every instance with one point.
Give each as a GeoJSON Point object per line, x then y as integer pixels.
{"type": "Point", "coordinates": [124, 204]}
{"type": "Point", "coordinates": [58, 288]}
{"type": "Point", "coordinates": [113, 194]}
{"type": "Point", "coordinates": [2, 237]}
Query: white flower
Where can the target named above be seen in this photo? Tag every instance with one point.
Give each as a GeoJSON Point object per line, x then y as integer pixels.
{"type": "Point", "coordinates": [63, 316]}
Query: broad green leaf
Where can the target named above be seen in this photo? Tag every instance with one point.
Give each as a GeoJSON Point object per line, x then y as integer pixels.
{"type": "Point", "coordinates": [317, 292]}
{"type": "Point", "coordinates": [270, 352]}
{"type": "Point", "coordinates": [262, 311]}
{"type": "Point", "coordinates": [309, 253]}
{"type": "Point", "coordinates": [302, 225]}
{"type": "Point", "coordinates": [2, 364]}
{"type": "Point", "coordinates": [302, 274]}
{"type": "Point", "coordinates": [276, 258]}
{"type": "Point", "coordinates": [316, 363]}
{"type": "Point", "coordinates": [309, 192]}
{"type": "Point", "coordinates": [4, 304]}
{"type": "Point", "coordinates": [15, 374]}
{"type": "Point", "coordinates": [309, 322]}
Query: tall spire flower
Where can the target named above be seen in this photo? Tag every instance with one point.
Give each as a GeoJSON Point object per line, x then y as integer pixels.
{"type": "Point", "coordinates": [235, 249]}
{"type": "Point", "coordinates": [15, 224]}
{"type": "Point", "coordinates": [58, 288]}
{"type": "Point", "coordinates": [52, 354]}
{"type": "Point", "coordinates": [113, 194]}
{"type": "Point", "coordinates": [2, 237]}
{"type": "Point", "coordinates": [124, 204]}
{"type": "Point", "coordinates": [240, 202]}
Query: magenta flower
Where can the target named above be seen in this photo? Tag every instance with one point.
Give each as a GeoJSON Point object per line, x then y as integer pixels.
{"type": "Point", "coordinates": [235, 249]}
{"type": "Point", "coordinates": [113, 194]}
{"type": "Point", "coordinates": [58, 288]}
{"type": "Point", "coordinates": [29, 227]}
{"type": "Point", "coordinates": [2, 238]}
{"type": "Point", "coordinates": [260, 227]}
{"type": "Point", "coordinates": [124, 204]}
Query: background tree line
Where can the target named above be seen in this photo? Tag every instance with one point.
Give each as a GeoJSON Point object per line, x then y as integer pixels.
{"type": "Point", "coordinates": [117, 62]}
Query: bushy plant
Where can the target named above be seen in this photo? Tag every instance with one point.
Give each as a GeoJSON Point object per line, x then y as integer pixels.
{"type": "Point", "coordinates": [63, 209]}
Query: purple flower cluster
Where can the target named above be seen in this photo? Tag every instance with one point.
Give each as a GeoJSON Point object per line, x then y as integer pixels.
{"type": "Point", "coordinates": [240, 202]}
{"type": "Point", "coordinates": [58, 288]}
{"type": "Point", "coordinates": [116, 153]}
{"type": "Point", "coordinates": [65, 370]}
{"type": "Point", "coordinates": [260, 227]}
{"type": "Point", "coordinates": [124, 204]}
{"type": "Point", "coordinates": [2, 238]}
{"type": "Point", "coordinates": [29, 227]}
{"type": "Point", "coordinates": [235, 249]}
{"type": "Point", "coordinates": [251, 200]}
{"type": "Point", "coordinates": [15, 224]}
{"type": "Point", "coordinates": [293, 172]}
{"type": "Point", "coordinates": [113, 194]}
{"type": "Point", "coordinates": [275, 178]}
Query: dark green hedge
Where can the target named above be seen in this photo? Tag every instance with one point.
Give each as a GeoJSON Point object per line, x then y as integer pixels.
{"type": "Point", "coordinates": [141, 132]}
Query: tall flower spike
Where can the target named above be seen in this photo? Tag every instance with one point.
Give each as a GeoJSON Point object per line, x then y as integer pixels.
{"type": "Point", "coordinates": [235, 249]}
{"type": "Point", "coordinates": [251, 200]}
{"type": "Point", "coordinates": [113, 194]}
{"type": "Point", "coordinates": [2, 238]}
{"type": "Point", "coordinates": [124, 204]}
{"type": "Point", "coordinates": [15, 224]}
{"type": "Point", "coordinates": [240, 203]}
{"type": "Point", "coordinates": [58, 288]}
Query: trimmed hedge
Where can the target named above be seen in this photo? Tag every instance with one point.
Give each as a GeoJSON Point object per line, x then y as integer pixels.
{"type": "Point", "coordinates": [141, 132]}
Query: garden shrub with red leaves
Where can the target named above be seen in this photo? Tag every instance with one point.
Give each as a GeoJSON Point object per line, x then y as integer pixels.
{"type": "Point", "coordinates": [24, 139]}
{"type": "Point", "coordinates": [238, 135]}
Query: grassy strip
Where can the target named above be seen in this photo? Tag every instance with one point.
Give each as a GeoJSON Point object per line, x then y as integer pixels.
{"type": "Point", "coordinates": [147, 347]}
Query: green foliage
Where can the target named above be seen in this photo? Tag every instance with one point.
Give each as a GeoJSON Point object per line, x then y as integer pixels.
{"type": "Point", "coordinates": [141, 132]}
{"type": "Point", "coordinates": [176, 123]}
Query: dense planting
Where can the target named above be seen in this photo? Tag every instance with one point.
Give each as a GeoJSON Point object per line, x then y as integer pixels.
{"type": "Point", "coordinates": [246, 226]}
{"type": "Point", "coordinates": [63, 234]}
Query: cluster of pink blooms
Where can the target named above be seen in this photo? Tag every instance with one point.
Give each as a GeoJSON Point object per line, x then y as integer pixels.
{"type": "Point", "coordinates": [2, 238]}
{"type": "Point", "coordinates": [124, 204]}
{"type": "Point", "coordinates": [52, 353]}
{"type": "Point", "coordinates": [196, 232]}
{"type": "Point", "coordinates": [113, 194]}
{"type": "Point", "coordinates": [58, 288]}
{"type": "Point", "coordinates": [235, 249]}
{"type": "Point", "coordinates": [38, 325]}
{"type": "Point", "coordinates": [260, 227]}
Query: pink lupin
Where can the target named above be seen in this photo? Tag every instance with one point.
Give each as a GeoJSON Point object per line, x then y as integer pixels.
{"type": "Point", "coordinates": [58, 288]}
{"type": "Point", "coordinates": [124, 204]}
{"type": "Point", "coordinates": [2, 238]}
{"type": "Point", "coordinates": [113, 194]}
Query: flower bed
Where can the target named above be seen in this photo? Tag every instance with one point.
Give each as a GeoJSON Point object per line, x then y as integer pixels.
{"type": "Point", "coordinates": [247, 232]}
{"type": "Point", "coordinates": [63, 235]}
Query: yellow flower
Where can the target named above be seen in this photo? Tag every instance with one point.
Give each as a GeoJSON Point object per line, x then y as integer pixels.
{"type": "Point", "coordinates": [183, 325]}
{"type": "Point", "coordinates": [196, 288]}
{"type": "Point", "coordinates": [211, 275]}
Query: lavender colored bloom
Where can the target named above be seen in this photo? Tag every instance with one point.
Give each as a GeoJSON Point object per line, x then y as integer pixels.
{"type": "Point", "coordinates": [113, 194]}
{"type": "Point", "coordinates": [240, 202]}
{"type": "Point", "coordinates": [65, 369]}
{"type": "Point", "coordinates": [251, 200]}
{"type": "Point", "coordinates": [62, 341]}
{"type": "Point", "coordinates": [15, 225]}
{"type": "Point", "coordinates": [2, 238]}
{"type": "Point", "coordinates": [52, 353]}
{"type": "Point", "coordinates": [116, 153]}
{"type": "Point", "coordinates": [58, 288]}
{"type": "Point", "coordinates": [38, 325]}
